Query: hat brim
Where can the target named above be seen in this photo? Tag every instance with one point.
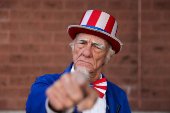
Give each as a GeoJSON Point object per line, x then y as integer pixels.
{"type": "Point", "coordinates": [75, 29]}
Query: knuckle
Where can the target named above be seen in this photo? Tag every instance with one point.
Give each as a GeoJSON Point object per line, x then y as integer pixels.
{"type": "Point", "coordinates": [77, 97]}
{"type": "Point", "coordinates": [69, 104]}
{"type": "Point", "coordinates": [48, 91]}
{"type": "Point", "coordinates": [59, 107]}
{"type": "Point", "coordinates": [90, 104]}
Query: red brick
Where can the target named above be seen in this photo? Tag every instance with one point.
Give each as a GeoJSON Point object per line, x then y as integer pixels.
{"type": "Point", "coordinates": [52, 26]}
{"type": "Point", "coordinates": [52, 69]}
{"type": "Point", "coordinates": [160, 49]}
{"type": "Point", "coordinates": [60, 58]}
{"type": "Point", "coordinates": [4, 15]}
{"type": "Point", "coordinates": [161, 5]}
{"type": "Point", "coordinates": [78, 15]}
{"type": "Point", "coordinates": [97, 5]}
{"type": "Point", "coordinates": [133, 104]}
{"type": "Point", "coordinates": [31, 4]}
{"type": "Point", "coordinates": [41, 59]}
{"type": "Point", "coordinates": [55, 48]}
{"type": "Point", "coordinates": [3, 81]}
{"type": "Point", "coordinates": [166, 82]}
{"type": "Point", "coordinates": [165, 60]}
{"type": "Point", "coordinates": [22, 81]}
{"type": "Point", "coordinates": [128, 38]}
{"type": "Point", "coordinates": [13, 92]}
{"type": "Point", "coordinates": [68, 23]}
{"type": "Point", "coordinates": [133, 5]}
{"type": "Point", "coordinates": [165, 105]}
{"type": "Point", "coordinates": [154, 38]}
{"type": "Point", "coordinates": [62, 37]}
{"type": "Point", "coordinates": [166, 16]}
{"type": "Point", "coordinates": [146, 28]}
{"type": "Point", "coordinates": [118, 5]}
{"type": "Point", "coordinates": [161, 27]}
{"type": "Point", "coordinates": [155, 71]}
{"type": "Point", "coordinates": [20, 59]}
{"type": "Point", "coordinates": [146, 5]}
{"type": "Point", "coordinates": [122, 71]}
{"type": "Point", "coordinates": [148, 93]}
{"type": "Point", "coordinates": [41, 37]}
{"type": "Point", "coordinates": [128, 28]}
{"type": "Point", "coordinates": [128, 16]}
{"type": "Point", "coordinates": [133, 93]}
{"type": "Point", "coordinates": [41, 15]}
{"type": "Point", "coordinates": [151, 16]}
{"type": "Point", "coordinates": [10, 70]}
{"type": "Point", "coordinates": [124, 60]}
{"type": "Point", "coordinates": [20, 15]}
{"type": "Point", "coordinates": [9, 48]}
{"type": "Point", "coordinates": [19, 37]}
{"type": "Point", "coordinates": [151, 60]}
{"type": "Point", "coordinates": [151, 82]}
{"type": "Point", "coordinates": [30, 48]}
{"type": "Point", "coordinates": [151, 105]}
{"type": "Point", "coordinates": [129, 49]}
{"type": "Point", "coordinates": [4, 38]}
{"type": "Point", "coordinates": [11, 4]}
{"type": "Point", "coordinates": [129, 82]}
{"type": "Point", "coordinates": [67, 49]}
{"type": "Point", "coordinates": [156, 49]}
{"type": "Point", "coordinates": [16, 104]}
{"type": "Point", "coordinates": [9, 26]}
{"type": "Point", "coordinates": [52, 4]}
{"type": "Point", "coordinates": [75, 4]}
{"type": "Point", "coordinates": [64, 16]}
{"type": "Point", "coordinates": [30, 70]}
{"type": "Point", "coordinates": [3, 104]}
{"type": "Point", "coordinates": [30, 26]}
{"type": "Point", "coordinates": [4, 59]}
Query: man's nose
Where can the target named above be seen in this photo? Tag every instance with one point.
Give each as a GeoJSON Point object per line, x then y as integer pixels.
{"type": "Point", "coordinates": [87, 52]}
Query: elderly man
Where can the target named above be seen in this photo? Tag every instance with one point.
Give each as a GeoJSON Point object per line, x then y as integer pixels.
{"type": "Point", "coordinates": [82, 87]}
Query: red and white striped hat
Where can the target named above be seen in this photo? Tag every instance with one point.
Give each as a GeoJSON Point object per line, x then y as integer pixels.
{"type": "Point", "coordinates": [100, 24]}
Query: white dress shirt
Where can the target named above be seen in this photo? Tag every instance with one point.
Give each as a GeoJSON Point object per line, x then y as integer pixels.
{"type": "Point", "coordinates": [99, 106]}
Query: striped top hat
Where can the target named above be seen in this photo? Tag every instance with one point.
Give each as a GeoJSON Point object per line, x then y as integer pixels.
{"type": "Point", "coordinates": [100, 24]}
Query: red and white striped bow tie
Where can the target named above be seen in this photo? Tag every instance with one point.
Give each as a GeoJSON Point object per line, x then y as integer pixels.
{"type": "Point", "coordinates": [100, 86]}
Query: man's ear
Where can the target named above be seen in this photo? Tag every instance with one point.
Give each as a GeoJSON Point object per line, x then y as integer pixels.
{"type": "Point", "coordinates": [111, 55]}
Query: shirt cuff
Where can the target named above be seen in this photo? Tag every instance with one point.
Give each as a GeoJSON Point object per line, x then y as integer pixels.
{"type": "Point", "coordinates": [49, 110]}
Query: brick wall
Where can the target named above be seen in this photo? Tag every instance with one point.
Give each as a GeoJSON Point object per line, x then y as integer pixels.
{"type": "Point", "coordinates": [34, 41]}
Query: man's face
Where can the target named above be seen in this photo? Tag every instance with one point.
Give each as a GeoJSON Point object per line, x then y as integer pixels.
{"type": "Point", "coordinates": [90, 52]}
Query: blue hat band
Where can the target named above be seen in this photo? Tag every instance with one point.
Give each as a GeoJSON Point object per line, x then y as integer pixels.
{"type": "Point", "coordinates": [97, 28]}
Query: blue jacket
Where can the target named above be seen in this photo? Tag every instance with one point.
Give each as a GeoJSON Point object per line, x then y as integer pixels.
{"type": "Point", "coordinates": [116, 98]}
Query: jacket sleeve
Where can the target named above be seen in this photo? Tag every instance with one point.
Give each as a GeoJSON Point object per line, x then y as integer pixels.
{"type": "Point", "coordinates": [36, 99]}
{"type": "Point", "coordinates": [125, 108]}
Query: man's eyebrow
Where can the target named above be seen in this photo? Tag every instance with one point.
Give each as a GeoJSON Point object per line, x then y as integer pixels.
{"type": "Point", "coordinates": [81, 39]}
{"type": "Point", "coordinates": [100, 45]}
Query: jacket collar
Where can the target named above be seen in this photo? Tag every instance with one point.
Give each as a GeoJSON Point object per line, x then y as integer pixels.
{"type": "Point", "coordinates": [69, 68]}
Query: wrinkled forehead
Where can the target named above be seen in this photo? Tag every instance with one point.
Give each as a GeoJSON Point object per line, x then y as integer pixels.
{"type": "Point", "coordinates": [91, 38]}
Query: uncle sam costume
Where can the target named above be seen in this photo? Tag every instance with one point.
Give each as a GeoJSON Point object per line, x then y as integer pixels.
{"type": "Point", "coordinates": [97, 23]}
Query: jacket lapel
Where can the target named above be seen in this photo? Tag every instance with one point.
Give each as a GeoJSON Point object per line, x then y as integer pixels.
{"type": "Point", "coordinates": [112, 104]}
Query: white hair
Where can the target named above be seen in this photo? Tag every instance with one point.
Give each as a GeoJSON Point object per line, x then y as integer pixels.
{"type": "Point", "coordinates": [109, 53]}
{"type": "Point", "coordinates": [84, 71]}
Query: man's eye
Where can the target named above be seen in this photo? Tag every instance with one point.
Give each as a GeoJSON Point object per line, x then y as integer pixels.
{"type": "Point", "coordinates": [97, 47]}
{"type": "Point", "coordinates": [82, 43]}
